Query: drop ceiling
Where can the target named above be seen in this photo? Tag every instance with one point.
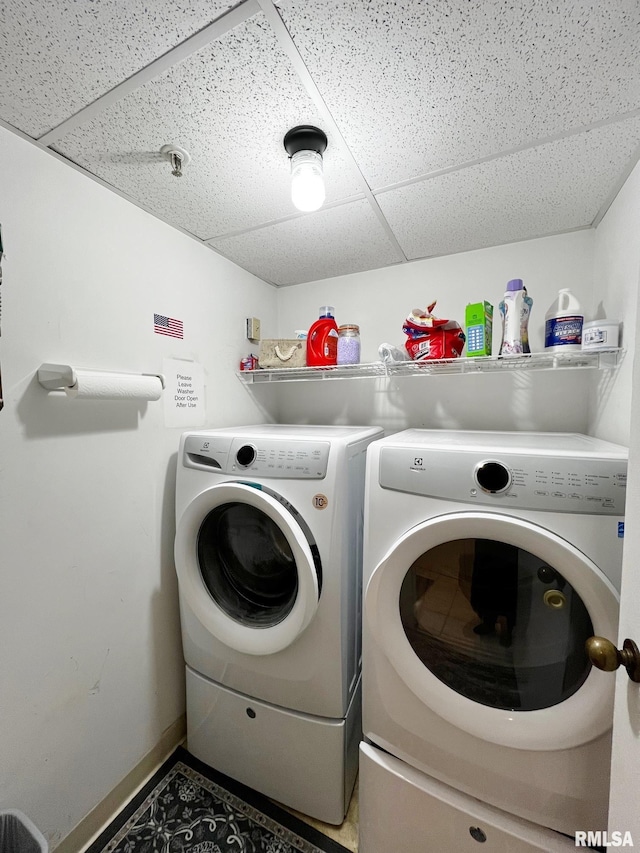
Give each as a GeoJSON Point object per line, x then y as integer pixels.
{"type": "Point", "coordinates": [452, 124]}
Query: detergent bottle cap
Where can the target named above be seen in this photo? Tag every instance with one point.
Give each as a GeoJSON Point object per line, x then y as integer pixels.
{"type": "Point", "coordinates": [326, 311]}
{"type": "Point", "coordinates": [515, 284]}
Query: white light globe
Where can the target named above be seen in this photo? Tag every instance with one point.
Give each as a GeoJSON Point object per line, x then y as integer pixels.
{"type": "Point", "coordinates": [307, 181]}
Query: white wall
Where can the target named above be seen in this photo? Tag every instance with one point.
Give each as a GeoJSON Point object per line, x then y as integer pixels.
{"type": "Point", "coordinates": [90, 655]}
{"type": "Point", "coordinates": [616, 276]}
{"type": "Point", "coordinates": [380, 300]}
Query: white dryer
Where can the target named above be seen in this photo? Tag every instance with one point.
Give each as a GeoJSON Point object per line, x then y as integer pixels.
{"type": "Point", "coordinates": [490, 558]}
{"type": "Point", "coordinates": [268, 555]}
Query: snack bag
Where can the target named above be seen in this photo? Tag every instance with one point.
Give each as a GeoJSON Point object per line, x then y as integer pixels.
{"type": "Point", "coordinates": [431, 338]}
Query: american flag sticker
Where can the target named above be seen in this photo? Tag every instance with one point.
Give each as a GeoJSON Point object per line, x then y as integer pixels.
{"type": "Point", "coordinates": [167, 326]}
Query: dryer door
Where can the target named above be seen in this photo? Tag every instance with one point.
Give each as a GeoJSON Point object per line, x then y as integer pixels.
{"type": "Point", "coordinates": [485, 618]}
{"type": "Point", "coordinates": [248, 567]}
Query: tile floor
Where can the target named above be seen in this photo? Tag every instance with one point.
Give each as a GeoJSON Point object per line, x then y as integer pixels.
{"type": "Point", "coordinates": [345, 834]}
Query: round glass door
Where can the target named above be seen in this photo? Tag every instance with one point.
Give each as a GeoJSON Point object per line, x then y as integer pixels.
{"type": "Point", "coordinates": [496, 624]}
{"type": "Point", "coordinates": [484, 618]}
{"type": "Point", "coordinates": [248, 567]}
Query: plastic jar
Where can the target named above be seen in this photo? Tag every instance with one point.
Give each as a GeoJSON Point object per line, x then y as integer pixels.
{"type": "Point", "coordinates": [349, 344]}
{"type": "Point", "coordinates": [601, 334]}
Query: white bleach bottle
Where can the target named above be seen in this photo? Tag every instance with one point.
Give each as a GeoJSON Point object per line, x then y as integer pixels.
{"type": "Point", "coordinates": [563, 323]}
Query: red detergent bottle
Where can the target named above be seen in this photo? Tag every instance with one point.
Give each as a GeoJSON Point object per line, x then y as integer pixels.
{"type": "Point", "coordinates": [322, 340]}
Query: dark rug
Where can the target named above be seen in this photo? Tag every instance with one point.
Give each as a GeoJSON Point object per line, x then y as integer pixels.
{"type": "Point", "coordinates": [189, 808]}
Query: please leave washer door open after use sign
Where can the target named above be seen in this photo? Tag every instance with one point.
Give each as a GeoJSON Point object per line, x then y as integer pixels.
{"type": "Point", "coordinates": [184, 404]}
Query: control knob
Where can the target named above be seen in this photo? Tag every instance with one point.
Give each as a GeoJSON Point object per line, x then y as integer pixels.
{"type": "Point", "coordinates": [493, 477]}
{"type": "Point", "coordinates": [246, 455]}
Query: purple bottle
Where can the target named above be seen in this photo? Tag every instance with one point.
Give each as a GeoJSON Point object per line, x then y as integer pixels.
{"type": "Point", "coordinates": [514, 310]}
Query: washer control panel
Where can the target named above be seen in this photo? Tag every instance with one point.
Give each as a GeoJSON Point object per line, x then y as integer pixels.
{"type": "Point", "coordinates": [265, 458]}
{"type": "Point", "coordinates": [556, 484]}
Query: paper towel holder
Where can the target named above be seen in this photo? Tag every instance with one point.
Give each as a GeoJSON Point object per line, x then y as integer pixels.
{"type": "Point", "coordinates": [57, 377]}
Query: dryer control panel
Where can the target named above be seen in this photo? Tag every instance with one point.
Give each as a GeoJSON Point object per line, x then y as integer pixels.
{"type": "Point", "coordinates": [262, 457]}
{"type": "Point", "coordinates": [556, 484]}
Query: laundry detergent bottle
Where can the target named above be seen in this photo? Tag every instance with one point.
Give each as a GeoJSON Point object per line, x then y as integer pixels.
{"type": "Point", "coordinates": [527, 305]}
{"type": "Point", "coordinates": [563, 323]}
{"type": "Point", "coordinates": [511, 312]}
{"type": "Point", "coordinates": [322, 340]}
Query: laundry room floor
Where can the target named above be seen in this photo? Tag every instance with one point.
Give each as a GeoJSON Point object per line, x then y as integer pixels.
{"type": "Point", "coordinates": [345, 834]}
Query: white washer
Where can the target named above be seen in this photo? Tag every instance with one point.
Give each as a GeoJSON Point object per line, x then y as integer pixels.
{"type": "Point", "coordinates": [489, 559]}
{"type": "Point", "coordinates": [268, 554]}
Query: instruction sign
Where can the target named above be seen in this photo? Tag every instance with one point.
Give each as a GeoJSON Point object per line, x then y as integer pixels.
{"type": "Point", "coordinates": [184, 404]}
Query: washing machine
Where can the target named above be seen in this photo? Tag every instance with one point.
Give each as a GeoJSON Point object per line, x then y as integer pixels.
{"type": "Point", "coordinates": [489, 559]}
{"type": "Point", "coordinates": [268, 554]}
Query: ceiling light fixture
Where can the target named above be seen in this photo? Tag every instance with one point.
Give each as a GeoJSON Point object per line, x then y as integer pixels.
{"type": "Point", "coordinates": [305, 146]}
{"type": "Point", "coordinates": [178, 158]}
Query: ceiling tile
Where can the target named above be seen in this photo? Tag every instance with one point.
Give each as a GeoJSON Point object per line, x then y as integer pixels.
{"type": "Point", "coordinates": [419, 86]}
{"type": "Point", "coordinates": [473, 123]}
{"type": "Point", "coordinates": [333, 241]}
{"type": "Point", "coordinates": [548, 189]}
{"type": "Point", "coordinates": [229, 106]}
{"type": "Point", "coordinates": [60, 56]}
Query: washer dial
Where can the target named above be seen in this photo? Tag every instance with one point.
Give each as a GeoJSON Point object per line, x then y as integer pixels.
{"type": "Point", "coordinates": [246, 455]}
{"type": "Point", "coordinates": [493, 477]}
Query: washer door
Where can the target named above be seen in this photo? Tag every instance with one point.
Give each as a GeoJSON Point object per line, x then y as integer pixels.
{"type": "Point", "coordinates": [485, 617]}
{"type": "Point", "coordinates": [248, 567]}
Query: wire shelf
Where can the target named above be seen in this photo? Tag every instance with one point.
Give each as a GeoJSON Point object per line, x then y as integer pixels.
{"type": "Point", "coordinates": [604, 359]}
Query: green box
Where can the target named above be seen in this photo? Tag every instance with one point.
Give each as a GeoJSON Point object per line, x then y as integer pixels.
{"type": "Point", "coordinates": [478, 321]}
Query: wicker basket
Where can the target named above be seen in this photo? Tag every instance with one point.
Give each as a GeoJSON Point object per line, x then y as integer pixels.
{"type": "Point", "coordinates": [283, 352]}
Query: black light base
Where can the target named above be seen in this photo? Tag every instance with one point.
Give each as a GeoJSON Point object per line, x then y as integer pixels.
{"type": "Point", "coordinates": [305, 137]}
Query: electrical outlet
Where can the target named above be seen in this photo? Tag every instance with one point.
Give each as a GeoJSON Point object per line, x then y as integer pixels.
{"type": "Point", "coordinates": [253, 329]}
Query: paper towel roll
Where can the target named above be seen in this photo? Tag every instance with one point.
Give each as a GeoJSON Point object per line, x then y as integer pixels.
{"type": "Point", "coordinates": [96, 385]}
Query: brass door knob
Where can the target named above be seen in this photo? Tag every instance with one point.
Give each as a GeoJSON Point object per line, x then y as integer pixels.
{"type": "Point", "coordinates": [604, 655]}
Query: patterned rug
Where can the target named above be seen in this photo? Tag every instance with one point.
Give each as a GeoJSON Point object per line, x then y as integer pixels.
{"type": "Point", "coordinates": [189, 808]}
